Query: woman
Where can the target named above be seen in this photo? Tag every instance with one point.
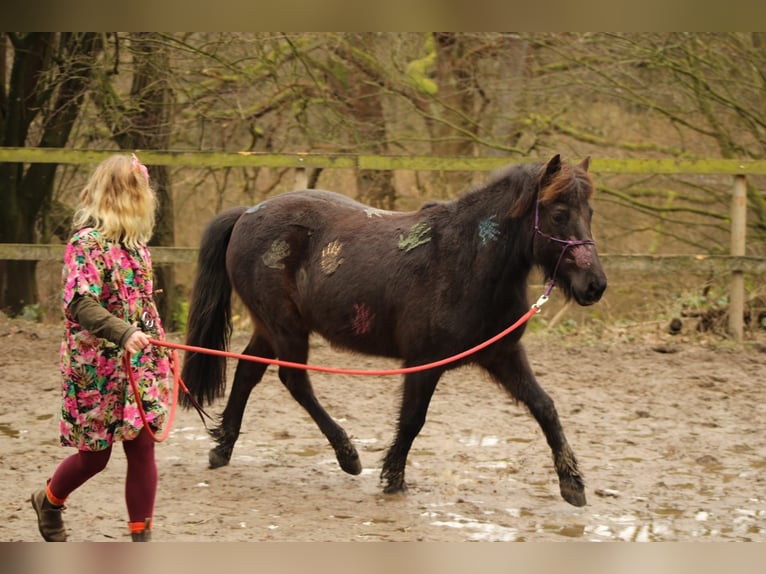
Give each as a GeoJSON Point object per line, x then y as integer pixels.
{"type": "Point", "coordinates": [109, 309]}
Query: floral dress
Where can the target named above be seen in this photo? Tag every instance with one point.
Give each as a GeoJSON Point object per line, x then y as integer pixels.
{"type": "Point", "coordinates": [99, 405]}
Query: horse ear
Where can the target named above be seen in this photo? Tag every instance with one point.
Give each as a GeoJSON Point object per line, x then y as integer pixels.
{"type": "Point", "coordinates": [585, 163]}
{"type": "Point", "coordinates": [551, 168]}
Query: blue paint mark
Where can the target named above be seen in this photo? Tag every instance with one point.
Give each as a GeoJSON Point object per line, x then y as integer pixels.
{"type": "Point", "coordinates": [488, 229]}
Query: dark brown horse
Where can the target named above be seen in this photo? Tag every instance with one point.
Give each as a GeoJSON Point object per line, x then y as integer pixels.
{"type": "Point", "coordinates": [419, 286]}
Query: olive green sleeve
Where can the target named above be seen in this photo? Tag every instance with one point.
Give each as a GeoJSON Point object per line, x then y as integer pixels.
{"type": "Point", "coordinates": [100, 322]}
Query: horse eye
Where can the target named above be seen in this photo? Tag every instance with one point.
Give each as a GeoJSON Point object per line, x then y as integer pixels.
{"type": "Point", "coordinates": [560, 217]}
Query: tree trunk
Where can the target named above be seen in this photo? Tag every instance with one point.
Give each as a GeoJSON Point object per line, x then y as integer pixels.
{"type": "Point", "coordinates": [451, 133]}
{"type": "Point", "coordinates": [47, 90]}
{"type": "Point", "coordinates": [360, 96]}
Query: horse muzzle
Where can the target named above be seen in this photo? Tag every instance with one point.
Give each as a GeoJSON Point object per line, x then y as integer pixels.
{"type": "Point", "coordinates": [580, 275]}
{"type": "Point", "coordinates": [587, 286]}
{"type": "Point", "coordinates": [591, 293]}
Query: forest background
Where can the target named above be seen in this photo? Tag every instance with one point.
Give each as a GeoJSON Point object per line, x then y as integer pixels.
{"type": "Point", "coordinates": [520, 96]}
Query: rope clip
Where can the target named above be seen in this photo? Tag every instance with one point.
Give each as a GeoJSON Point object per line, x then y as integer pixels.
{"type": "Point", "coordinates": [541, 301]}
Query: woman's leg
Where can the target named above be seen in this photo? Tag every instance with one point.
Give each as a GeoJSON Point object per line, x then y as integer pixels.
{"type": "Point", "coordinates": [74, 471]}
{"type": "Point", "coordinates": [140, 483]}
{"type": "Point", "coordinates": [70, 474]}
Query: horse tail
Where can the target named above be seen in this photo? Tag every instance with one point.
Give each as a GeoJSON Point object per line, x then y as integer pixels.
{"type": "Point", "coordinates": [208, 323]}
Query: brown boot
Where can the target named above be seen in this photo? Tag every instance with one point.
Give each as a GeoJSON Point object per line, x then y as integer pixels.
{"type": "Point", "coordinates": [49, 519]}
{"type": "Point", "coordinates": [143, 535]}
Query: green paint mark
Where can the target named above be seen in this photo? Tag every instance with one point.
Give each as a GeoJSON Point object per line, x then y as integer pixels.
{"type": "Point", "coordinates": [418, 235]}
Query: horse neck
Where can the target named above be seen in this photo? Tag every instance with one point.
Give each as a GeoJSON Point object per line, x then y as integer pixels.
{"type": "Point", "coordinates": [507, 240]}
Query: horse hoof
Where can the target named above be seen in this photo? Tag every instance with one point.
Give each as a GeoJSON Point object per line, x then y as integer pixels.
{"type": "Point", "coordinates": [349, 461]}
{"type": "Point", "coordinates": [395, 484]}
{"type": "Point", "coordinates": [574, 496]}
{"type": "Point", "coordinates": [395, 489]}
{"type": "Point", "coordinates": [216, 459]}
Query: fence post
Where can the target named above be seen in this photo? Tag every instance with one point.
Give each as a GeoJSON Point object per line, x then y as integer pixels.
{"type": "Point", "coordinates": [301, 178]}
{"type": "Point", "coordinates": [738, 230]}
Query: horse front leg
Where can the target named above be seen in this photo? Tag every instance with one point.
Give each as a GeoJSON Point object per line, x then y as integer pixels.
{"type": "Point", "coordinates": [416, 396]}
{"type": "Point", "coordinates": [513, 372]}
{"type": "Point", "coordinates": [247, 375]}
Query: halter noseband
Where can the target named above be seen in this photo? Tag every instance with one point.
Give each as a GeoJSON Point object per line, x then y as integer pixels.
{"type": "Point", "coordinates": [567, 243]}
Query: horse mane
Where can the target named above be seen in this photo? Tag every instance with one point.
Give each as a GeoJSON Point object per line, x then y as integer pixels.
{"type": "Point", "coordinates": [524, 184]}
{"type": "Point", "coordinates": [517, 184]}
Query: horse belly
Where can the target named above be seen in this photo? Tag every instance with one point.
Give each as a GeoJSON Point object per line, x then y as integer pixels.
{"type": "Point", "coordinates": [348, 305]}
{"type": "Point", "coordinates": [358, 323]}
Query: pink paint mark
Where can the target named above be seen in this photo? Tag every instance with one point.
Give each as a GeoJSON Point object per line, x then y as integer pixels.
{"type": "Point", "coordinates": [363, 318]}
{"type": "Point", "coordinates": [583, 256]}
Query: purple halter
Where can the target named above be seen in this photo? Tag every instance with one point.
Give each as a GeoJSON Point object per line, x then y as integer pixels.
{"type": "Point", "coordinates": [567, 243]}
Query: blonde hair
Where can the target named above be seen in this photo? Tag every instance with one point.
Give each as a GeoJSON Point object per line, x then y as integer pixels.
{"type": "Point", "coordinates": [118, 201]}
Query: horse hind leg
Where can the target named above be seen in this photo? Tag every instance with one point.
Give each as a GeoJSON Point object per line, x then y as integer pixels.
{"type": "Point", "coordinates": [516, 376]}
{"type": "Point", "coordinates": [298, 383]}
{"type": "Point", "coordinates": [248, 374]}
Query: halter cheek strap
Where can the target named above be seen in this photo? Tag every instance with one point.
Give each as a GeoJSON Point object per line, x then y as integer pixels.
{"type": "Point", "coordinates": [567, 243]}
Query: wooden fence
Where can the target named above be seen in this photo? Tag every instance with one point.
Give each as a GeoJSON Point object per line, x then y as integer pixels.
{"type": "Point", "coordinates": [737, 264]}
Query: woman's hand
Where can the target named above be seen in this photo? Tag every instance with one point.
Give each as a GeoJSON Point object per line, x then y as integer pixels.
{"type": "Point", "coordinates": [137, 341]}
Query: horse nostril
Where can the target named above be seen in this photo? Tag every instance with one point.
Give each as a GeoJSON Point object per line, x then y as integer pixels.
{"type": "Point", "coordinates": [596, 289]}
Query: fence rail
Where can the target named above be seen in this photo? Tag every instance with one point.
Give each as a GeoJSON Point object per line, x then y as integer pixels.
{"type": "Point", "coordinates": [199, 159]}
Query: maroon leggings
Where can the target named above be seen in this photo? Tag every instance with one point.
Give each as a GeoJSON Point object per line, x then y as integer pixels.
{"type": "Point", "coordinates": [140, 482]}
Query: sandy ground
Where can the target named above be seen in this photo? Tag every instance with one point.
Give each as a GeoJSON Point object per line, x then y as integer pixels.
{"type": "Point", "coordinates": [669, 433]}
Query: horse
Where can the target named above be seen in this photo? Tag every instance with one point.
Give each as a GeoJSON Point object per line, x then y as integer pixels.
{"type": "Point", "coordinates": [416, 286]}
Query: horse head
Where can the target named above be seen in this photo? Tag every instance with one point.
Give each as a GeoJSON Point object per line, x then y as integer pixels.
{"type": "Point", "coordinates": [563, 243]}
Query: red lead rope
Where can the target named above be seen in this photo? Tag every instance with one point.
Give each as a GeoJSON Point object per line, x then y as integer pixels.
{"type": "Point", "coordinates": [177, 382]}
{"type": "Point", "coordinates": [334, 370]}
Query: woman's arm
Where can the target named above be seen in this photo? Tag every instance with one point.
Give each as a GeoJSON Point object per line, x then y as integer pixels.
{"type": "Point", "coordinates": [100, 322]}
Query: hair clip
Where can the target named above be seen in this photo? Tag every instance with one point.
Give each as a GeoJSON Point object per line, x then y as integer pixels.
{"type": "Point", "coordinates": [138, 166]}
